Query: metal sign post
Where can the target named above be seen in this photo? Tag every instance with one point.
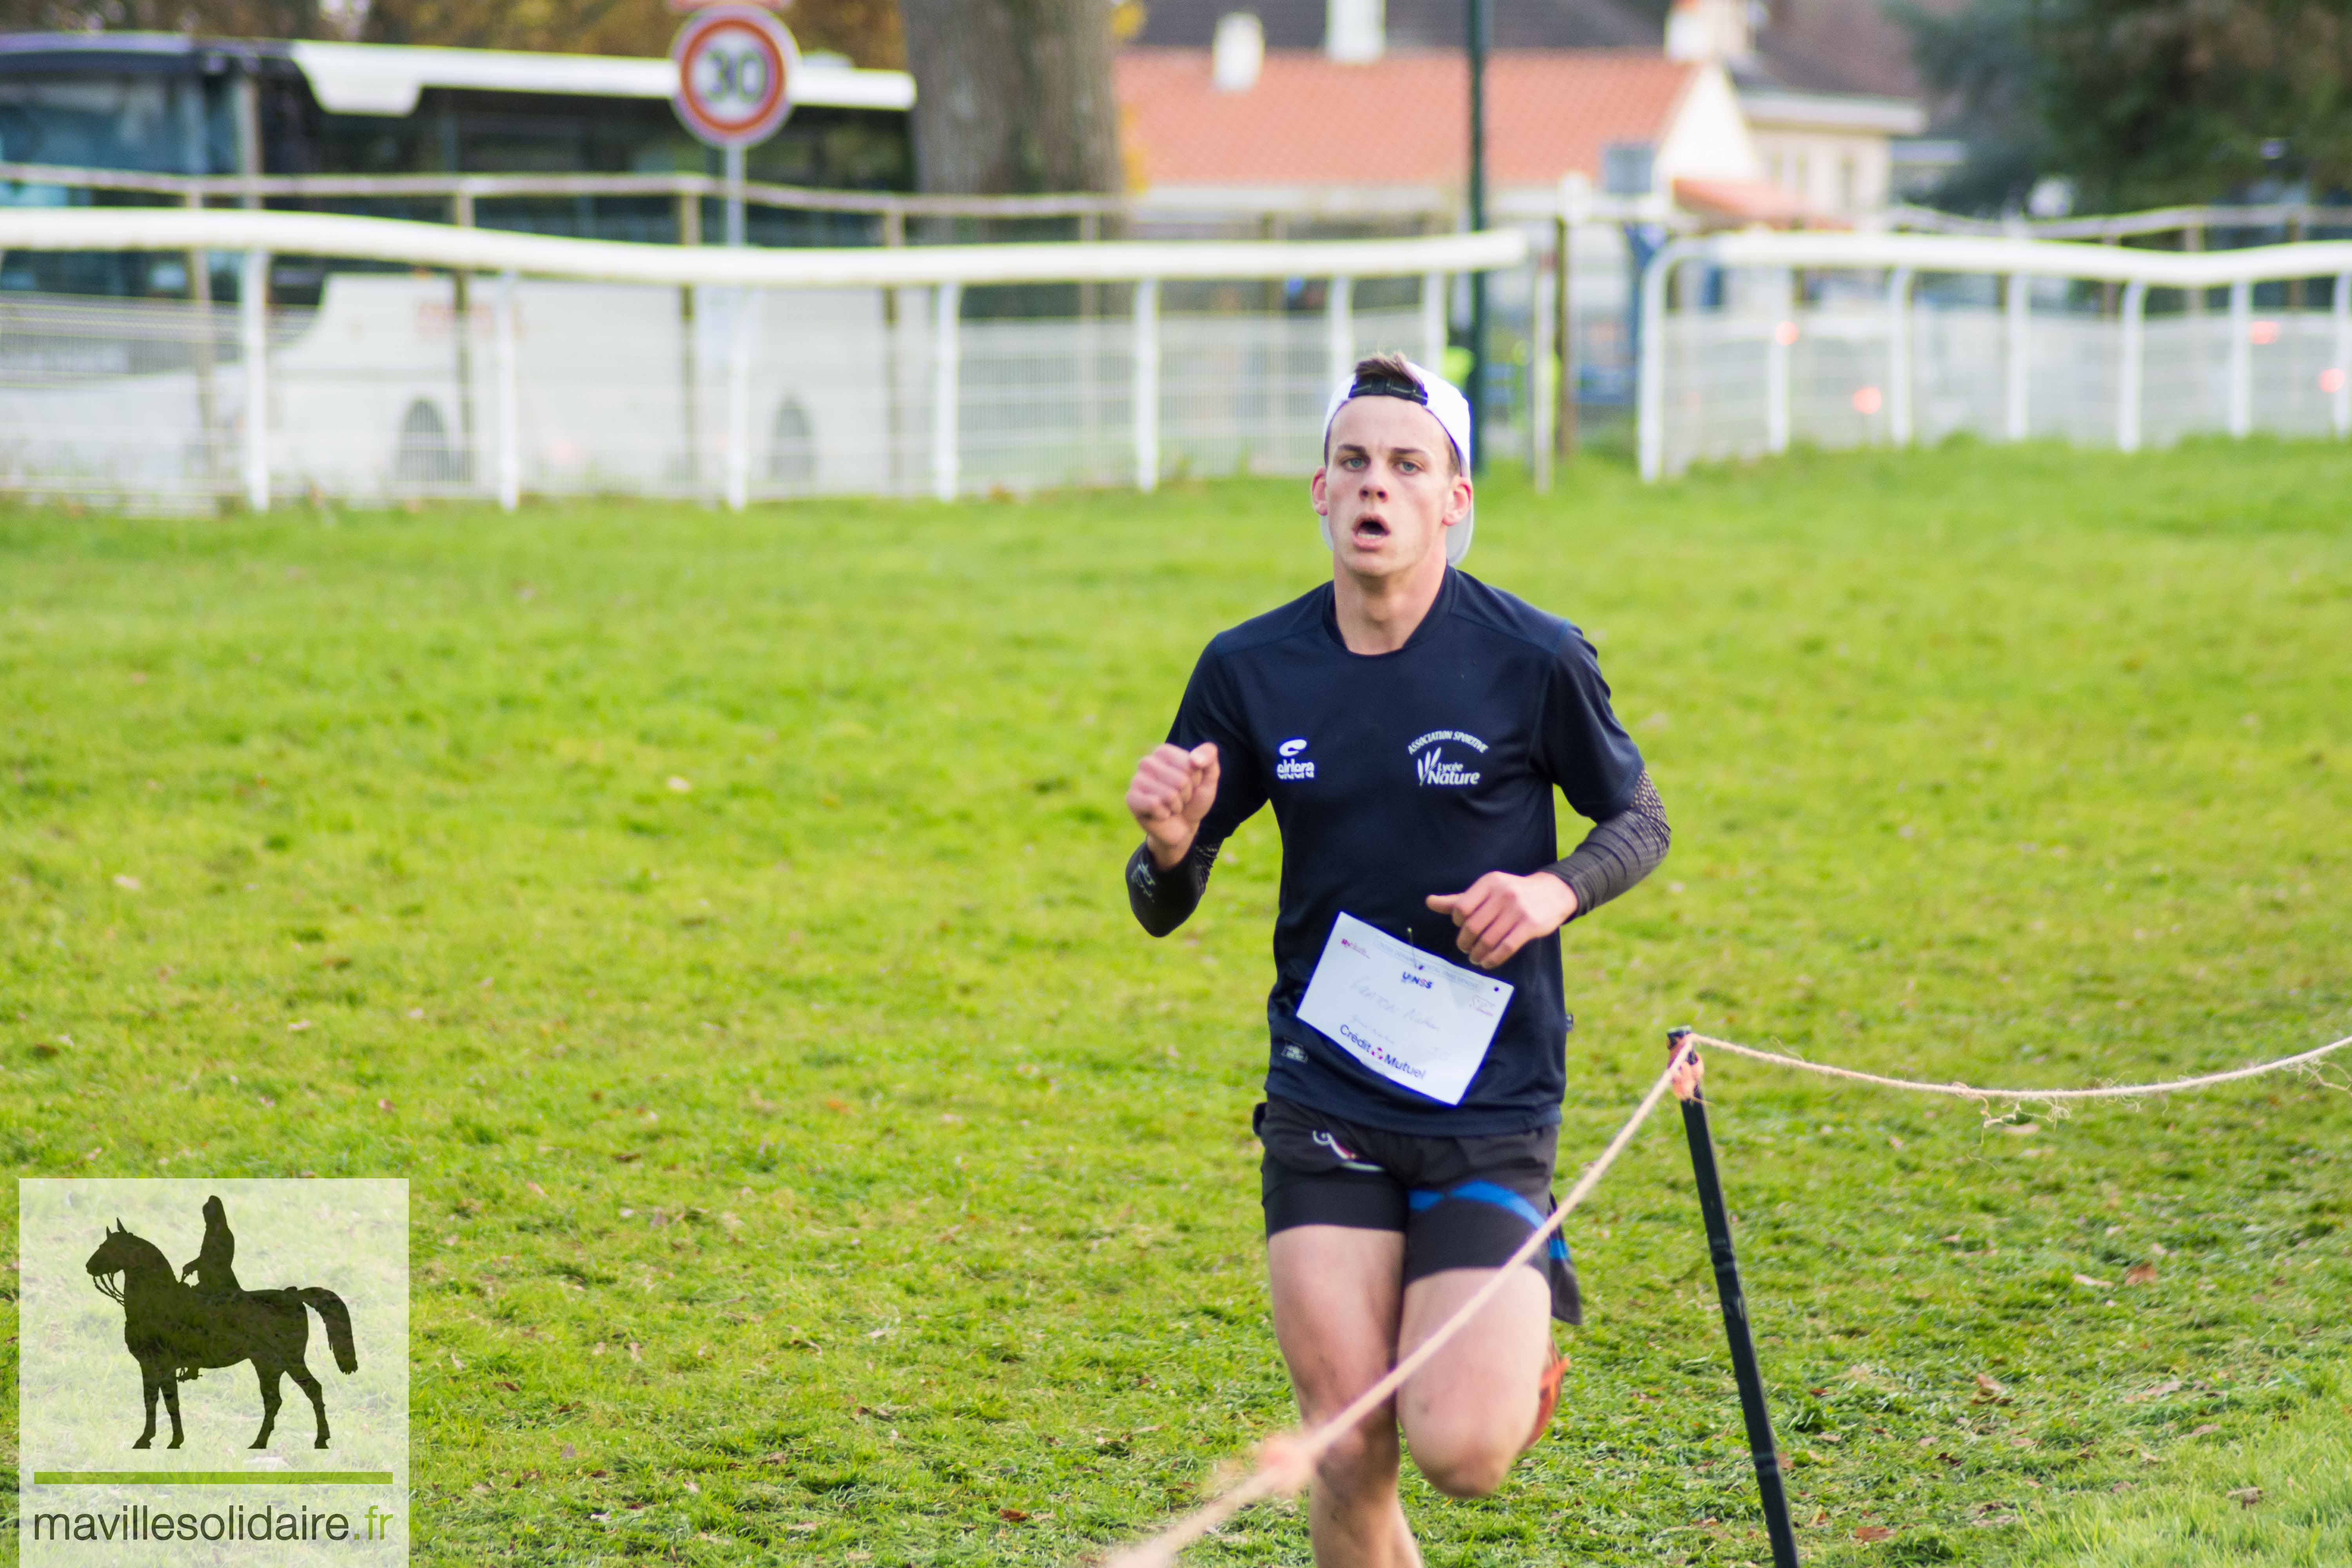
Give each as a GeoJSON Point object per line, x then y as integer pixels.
{"type": "Point", "coordinates": [1773, 1495]}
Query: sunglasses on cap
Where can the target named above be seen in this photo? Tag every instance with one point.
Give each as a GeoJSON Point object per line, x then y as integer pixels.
{"type": "Point", "coordinates": [1381, 384]}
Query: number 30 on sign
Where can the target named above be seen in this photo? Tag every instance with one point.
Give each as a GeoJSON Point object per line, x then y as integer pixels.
{"type": "Point", "coordinates": [735, 69]}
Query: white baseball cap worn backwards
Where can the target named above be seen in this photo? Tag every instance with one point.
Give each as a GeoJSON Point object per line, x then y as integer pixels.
{"type": "Point", "coordinates": [1444, 400]}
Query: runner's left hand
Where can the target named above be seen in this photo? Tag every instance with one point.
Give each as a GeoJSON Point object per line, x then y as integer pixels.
{"type": "Point", "coordinates": [1500, 913]}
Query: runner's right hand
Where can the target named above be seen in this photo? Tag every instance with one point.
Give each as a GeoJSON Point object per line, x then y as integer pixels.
{"type": "Point", "coordinates": [1171, 792]}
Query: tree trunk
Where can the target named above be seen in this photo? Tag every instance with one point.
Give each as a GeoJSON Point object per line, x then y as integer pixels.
{"type": "Point", "coordinates": [1013, 96]}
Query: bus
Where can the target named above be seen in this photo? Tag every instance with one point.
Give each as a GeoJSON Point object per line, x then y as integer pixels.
{"type": "Point", "coordinates": [165, 103]}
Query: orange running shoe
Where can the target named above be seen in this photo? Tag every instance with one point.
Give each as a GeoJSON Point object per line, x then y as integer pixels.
{"type": "Point", "coordinates": [1547, 1398]}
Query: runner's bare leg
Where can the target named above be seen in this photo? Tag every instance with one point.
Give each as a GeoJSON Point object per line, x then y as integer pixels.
{"type": "Point", "coordinates": [1467, 1414]}
{"type": "Point", "coordinates": [1338, 1292]}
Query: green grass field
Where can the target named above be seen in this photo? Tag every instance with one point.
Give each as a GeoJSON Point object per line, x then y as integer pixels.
{"type": "Point", "coordinates": [718, 921]}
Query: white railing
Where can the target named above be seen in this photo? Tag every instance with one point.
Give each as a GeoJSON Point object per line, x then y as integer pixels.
{"type": "Point", "coordinates": [616, 380]}
{"type": "Point", "coordinates": [2296, 219]}
{"type": "Point", "coordinates": [1875, 361]}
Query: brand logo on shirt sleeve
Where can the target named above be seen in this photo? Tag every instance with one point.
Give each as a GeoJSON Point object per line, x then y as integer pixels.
{"type": "Point", "coordinates": [1290, 766]}
{"type": "Point", "coordinates": [1432, 766]}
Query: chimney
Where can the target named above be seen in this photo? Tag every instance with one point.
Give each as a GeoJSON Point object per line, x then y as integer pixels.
{"type": "Point", "coordinates": [1237, 52]}
{"type": "Point", "coordinates": [1355, 32]}
{"type": "Point", "coordinates": [1714, 32]}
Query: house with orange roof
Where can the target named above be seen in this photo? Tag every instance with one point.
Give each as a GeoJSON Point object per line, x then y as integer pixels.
{"type": "Point", "coordinates": [1301, 132]}
{"type": "Point", "coordinates": [1724, 115]}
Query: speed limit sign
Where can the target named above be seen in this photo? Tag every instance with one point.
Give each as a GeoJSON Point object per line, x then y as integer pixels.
{"type": "Point", "coordinates": [735, 69]}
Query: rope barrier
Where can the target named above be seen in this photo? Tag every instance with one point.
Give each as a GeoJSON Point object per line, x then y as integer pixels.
{"type": "Point", "coordinates": [2024, 1096]}
{"type": "Point", "coordinates": [1285, 1464]}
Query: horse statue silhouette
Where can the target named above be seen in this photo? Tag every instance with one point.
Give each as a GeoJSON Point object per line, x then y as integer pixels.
{"type": "Point", "coordinates": [173, 1329]}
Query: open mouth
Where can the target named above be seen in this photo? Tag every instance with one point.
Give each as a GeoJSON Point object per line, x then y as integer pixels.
{"type": "Point", "coordinates": [1370, 530]}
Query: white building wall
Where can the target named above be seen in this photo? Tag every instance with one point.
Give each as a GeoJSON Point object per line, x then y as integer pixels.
{"type": "Point", "coordinates": [1709, 137]}
{"type": "Point", "coordinates": [1835, 170]}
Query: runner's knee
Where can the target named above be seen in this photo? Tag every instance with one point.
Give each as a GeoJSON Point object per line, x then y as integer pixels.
{"type": "Point", "coordinates": [1363, 1461]}
{"type": "Point", "coordinates": [1463, 1462]}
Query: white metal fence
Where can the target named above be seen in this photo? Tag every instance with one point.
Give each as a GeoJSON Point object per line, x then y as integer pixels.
{"type": "Point", "coordinates": [494, 363]}
{"type": "Point", "coordinates": [1750, 342]}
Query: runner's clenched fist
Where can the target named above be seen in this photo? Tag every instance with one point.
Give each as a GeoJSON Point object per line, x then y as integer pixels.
{"type": "Point", "coordinates": [1171, 792]}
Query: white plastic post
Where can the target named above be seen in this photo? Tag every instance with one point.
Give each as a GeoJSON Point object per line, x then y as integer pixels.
{"type": "Point", "coordinates": [1542, 373]}
{"type": "Point", "coordinates": [1339, 328]}
{"type": "Point", "coordinates": [2130, 375]}
{"type": "Point", "coordinates": [2020, 305]}
{"type": "Point", "coordinates": [2341, 309]}
{"type": "Point", "coordinates": [1432, 321]}
{"type": "Point", "coordinates": [1145, 398]}
{"type": "Point", "coordinates": [253, 329]}
{"type": "Point", "coordinates": [2241, 358]}
{"type": "Point", "coordinates": [746, 324]}
{"type": "Point", "coordinates": [1650, 388]}
{"type": "Point", "coordinates": [509, 400]}
{"type": "Point", "coordinates": [947, 390]}
{"type": "Point", "coordinates": [1898, 355]}
{"type": "Point", "coordinates": [1776, 366]}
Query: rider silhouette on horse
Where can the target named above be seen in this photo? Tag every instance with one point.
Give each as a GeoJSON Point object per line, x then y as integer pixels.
{"type": "Point", "coordinates": [216, 1279]}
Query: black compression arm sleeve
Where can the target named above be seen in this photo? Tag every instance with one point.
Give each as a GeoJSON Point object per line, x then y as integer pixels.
{"type": "Point", "coordinates": [1619, 852]}
{"type": "Point", "coordinates": [1163, 900]}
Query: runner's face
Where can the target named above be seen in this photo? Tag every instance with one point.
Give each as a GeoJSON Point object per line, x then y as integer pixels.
{"type": "Point", "coordinates": [1388, 487]}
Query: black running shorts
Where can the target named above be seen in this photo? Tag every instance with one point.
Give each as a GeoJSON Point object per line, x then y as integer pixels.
{"type": "Point", "coordinates": [1461, 1202]}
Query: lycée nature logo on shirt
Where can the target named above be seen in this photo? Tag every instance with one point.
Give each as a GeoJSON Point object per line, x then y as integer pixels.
{"type": "Point", "coordinates": [1432, 766]}
{"type": "Point", "coordinates": [1289, 766]}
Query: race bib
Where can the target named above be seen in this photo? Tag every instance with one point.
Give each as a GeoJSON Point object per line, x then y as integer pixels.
{"type": "Point", "coordinates": [1418, 1020]}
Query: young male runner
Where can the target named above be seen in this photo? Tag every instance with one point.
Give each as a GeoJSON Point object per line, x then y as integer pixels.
{"type": "Point", "coordinates": [1407, 724]}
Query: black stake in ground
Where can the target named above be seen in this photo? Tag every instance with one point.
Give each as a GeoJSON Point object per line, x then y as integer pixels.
{"type": "Point", "coordinates": [1766, 1454]}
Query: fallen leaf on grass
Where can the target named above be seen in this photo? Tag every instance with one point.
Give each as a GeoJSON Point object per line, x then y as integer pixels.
{"type": "Point", "coordinates": [510, 1386]}
{"type": "Point", "coordinates": [1012, 1515]}
{"type": "Point", "coordinates": [2094, 1284]}
{"type": "Point", "coordinates": [2169, 1385]}
{"type": "Point", "coordinates": [1990, 1391]}
{"type": "Point", "coordinates": [2141, 1274]}
{"type": "Point", "coordinates": [2205, 1431]}
{"type": "Point", "coordinates": [1873, 1533]}
{"type": "Point", "coordinates": [570, 1452]}
{"type": "Point", "coordinates": [2248, 1495]}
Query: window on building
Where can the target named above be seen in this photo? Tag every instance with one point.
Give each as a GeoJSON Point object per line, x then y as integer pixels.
{"type": "Point", "coordinates": [1626, 168]}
